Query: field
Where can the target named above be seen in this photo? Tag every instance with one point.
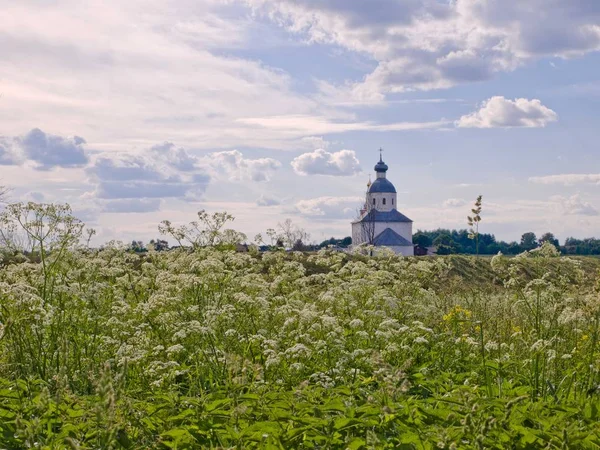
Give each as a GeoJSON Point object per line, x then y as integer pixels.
{"type": "Point", "coordinates": [217, 349]}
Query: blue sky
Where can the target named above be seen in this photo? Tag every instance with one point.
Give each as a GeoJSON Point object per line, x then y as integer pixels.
{"type": "Point", "coordinates": [134, 112]}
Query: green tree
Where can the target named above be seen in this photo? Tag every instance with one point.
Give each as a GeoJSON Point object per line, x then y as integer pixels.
{"type": "Point", "coordinates": [159, 245]}
{"type": "Point", "coordinates": [549, 237]}
{"type": "Point", "coordinates": [137, 247]}
{"type": "Point", "coordinates": [528, 241]}
{"type": "Point", "coordinates": [473, 222]}
{"type": "Point", "coordinates": [445, 244]}
{"type": "Point", "coordinates": [422, 240]}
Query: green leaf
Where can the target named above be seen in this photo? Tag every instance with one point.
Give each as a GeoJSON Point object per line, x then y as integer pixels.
{"type": "Point", "coordinates": [356, 444]}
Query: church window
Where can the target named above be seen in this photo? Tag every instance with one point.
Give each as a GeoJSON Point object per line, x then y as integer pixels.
{"type": "Point", "coordinates": [384, 201]}
{"type": "Point", "coordinates": [373, 201]}
{"type": "Point", "coordinates": [392, 201]}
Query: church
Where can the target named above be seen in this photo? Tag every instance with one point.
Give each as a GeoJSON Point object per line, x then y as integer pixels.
{"type": "Point", "coordinates": [379, 222]}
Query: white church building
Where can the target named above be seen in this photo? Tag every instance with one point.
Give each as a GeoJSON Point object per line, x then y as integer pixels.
{"type": "Point", "coordinates": [380, 223]}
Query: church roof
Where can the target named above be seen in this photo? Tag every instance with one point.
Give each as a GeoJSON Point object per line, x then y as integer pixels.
{"type": "Point", "coordinates": [389, 237]}
{"type": "Point", "coordinates": [385, 216]}
{"type": "Point", "coordinates": [381, 166]}
{"type": "Point", "coordinates": [382, 185]}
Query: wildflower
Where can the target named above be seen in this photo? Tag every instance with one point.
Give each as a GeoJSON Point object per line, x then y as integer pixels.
{"type": "Point", "coordinates": [177, 348]}
{"type": "Point", "coordinates": [538, 345]}
{"type": "Point", "coordinates": [356, 323]}
{"type": "Point", "coordinates": [421, 340]}
{"type": "Point", "coordinates": [491, 346]}
{"type": "Point", "coordinates": [298, 350]}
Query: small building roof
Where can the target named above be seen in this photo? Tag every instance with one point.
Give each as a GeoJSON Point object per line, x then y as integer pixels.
{"type": "Point", "coordinates": [384, 216]}
{"type": "Point", "coordinates": [390, 238]}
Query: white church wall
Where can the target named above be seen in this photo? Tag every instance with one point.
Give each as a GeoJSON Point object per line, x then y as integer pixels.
{"type": "Point", "coordinates": [360, 231]}
{"type": "Point", "coordinates": [390, 201]}
{"type": "Point", "coordinates": [404, 229]}
{"type": "Point", "coordinates": [357, 234]}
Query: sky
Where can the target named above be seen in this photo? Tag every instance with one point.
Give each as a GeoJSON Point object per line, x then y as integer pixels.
{"type": "Point", "coordinates": [140, 111]}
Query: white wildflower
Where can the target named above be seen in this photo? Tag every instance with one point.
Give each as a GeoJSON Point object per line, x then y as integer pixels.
{"type": "Point", "coordinates": [491, 346]}
{"type": "Point", "coordinates": [355, 323]}
{"type": "Point", "coordinates": [174, 349]}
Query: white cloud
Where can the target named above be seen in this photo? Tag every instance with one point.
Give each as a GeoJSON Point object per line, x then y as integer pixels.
{"type": "Point", "coordinates": [321, 162]}
{"type": "Point", "coordinates": [147, 180]}
{"type": "Point", "coordinates": [291, 126]}
{"type": "Point", "coordinates": [330, 207]}
{"type": "Point", "coordinates": [161, 172]}
{"type": "Point", "coordinates": [265, 200]}
{"type": "Point", "coordinates": [34, 196]}
{"type": "Point", "coordinates": [427, 44]}
{"type": "Point", "coordinates": [575, 205]}
{"type": "Point", "coordinates": [9, 153]}
{"type": "Point", "coordinates": [46, 151]}
{"type": "Point", "coordinates": [167, 171]}
{"type": "Point", "coordinates": [499, 112]}
{"type": "Point", "coordinates": [454, 202]}
{"type": "Point", "coordinates": [233, 165]}
{"type": "Point", "coordinates": [568, 179]}
{"type": "Point", "coordinates": [127, 75]}
{"type": "Point", "coordinates": [314, 142]}
{"type": "Point", "coordinates": [131, 205]}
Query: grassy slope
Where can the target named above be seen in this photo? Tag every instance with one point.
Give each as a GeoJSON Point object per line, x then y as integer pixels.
{"type": "Point", "coordinates": [478, 271]}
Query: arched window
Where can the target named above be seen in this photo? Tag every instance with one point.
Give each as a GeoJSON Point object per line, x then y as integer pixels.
{"type": "Point", "coordinates": [373, 202]}
{"type": "Point", "coordinates": [384, 200]}
{"type": "Point", "coordinates": [392, 201]}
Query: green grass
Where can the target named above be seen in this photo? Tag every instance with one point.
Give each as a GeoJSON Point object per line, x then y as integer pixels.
{"type": "Point", "coordinates": [217, 349]}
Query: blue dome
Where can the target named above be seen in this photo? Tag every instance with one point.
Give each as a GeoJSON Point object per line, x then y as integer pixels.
{"type": "Point", "coordinates": [382, 185]}
{"type": "Point", "coordinates": [381, 166]}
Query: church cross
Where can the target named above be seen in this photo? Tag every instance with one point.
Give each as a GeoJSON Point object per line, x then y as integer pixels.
{"type": "Point", "coordinates": [380, 154]}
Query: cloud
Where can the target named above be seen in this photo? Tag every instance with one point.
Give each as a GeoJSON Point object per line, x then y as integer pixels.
{"type": "Point", "coordinates": [499, 112]}
{"type": "Point", "coordinates": [314, 142]}
{"type": "Point", "coordinates": [428, 44]}
{"type": "Point", "coordinates": [131, 205]}
{"type": "Point", "coordinates": [264, 200]}
{"type": "Point", "coordinates": [177, 158]}
{"type": "Point", "coordinates": [49, 151]}
{"type": "Point", "coordinates": [568, 179]}
{"type": "Point", "coordinates": [8, 153]}
{"type": "Point", "coordinates": [152, 174]}
{"type": "Point", "coordinates": [46, 151]}
{"type": "Point", "coordinates": [454, 202]}
{"type": "Point", "coordinates": [176, 73]}
{"type": "Point", "coordinates": [34, 196]}
{"type": "Point", "coordinates": [575, 205]}
{"type": "Point", "coordinates": [321, 162]}
{"type": "Point", "coordinates": [167, 171]}
{"type": "Point", "coordinates": [295, 125]}
{"type": "Point", "coordinates": [233, 165]}
{"type": "Point", "coordinates": [329, 207]}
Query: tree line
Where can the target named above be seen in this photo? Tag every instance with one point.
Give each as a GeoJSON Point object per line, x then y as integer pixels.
{"type": "Point", "coordinates": [449, 242]}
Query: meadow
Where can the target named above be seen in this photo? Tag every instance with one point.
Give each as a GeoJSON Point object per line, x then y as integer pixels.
{"type": "Point", "coordinates": [210, 348]}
